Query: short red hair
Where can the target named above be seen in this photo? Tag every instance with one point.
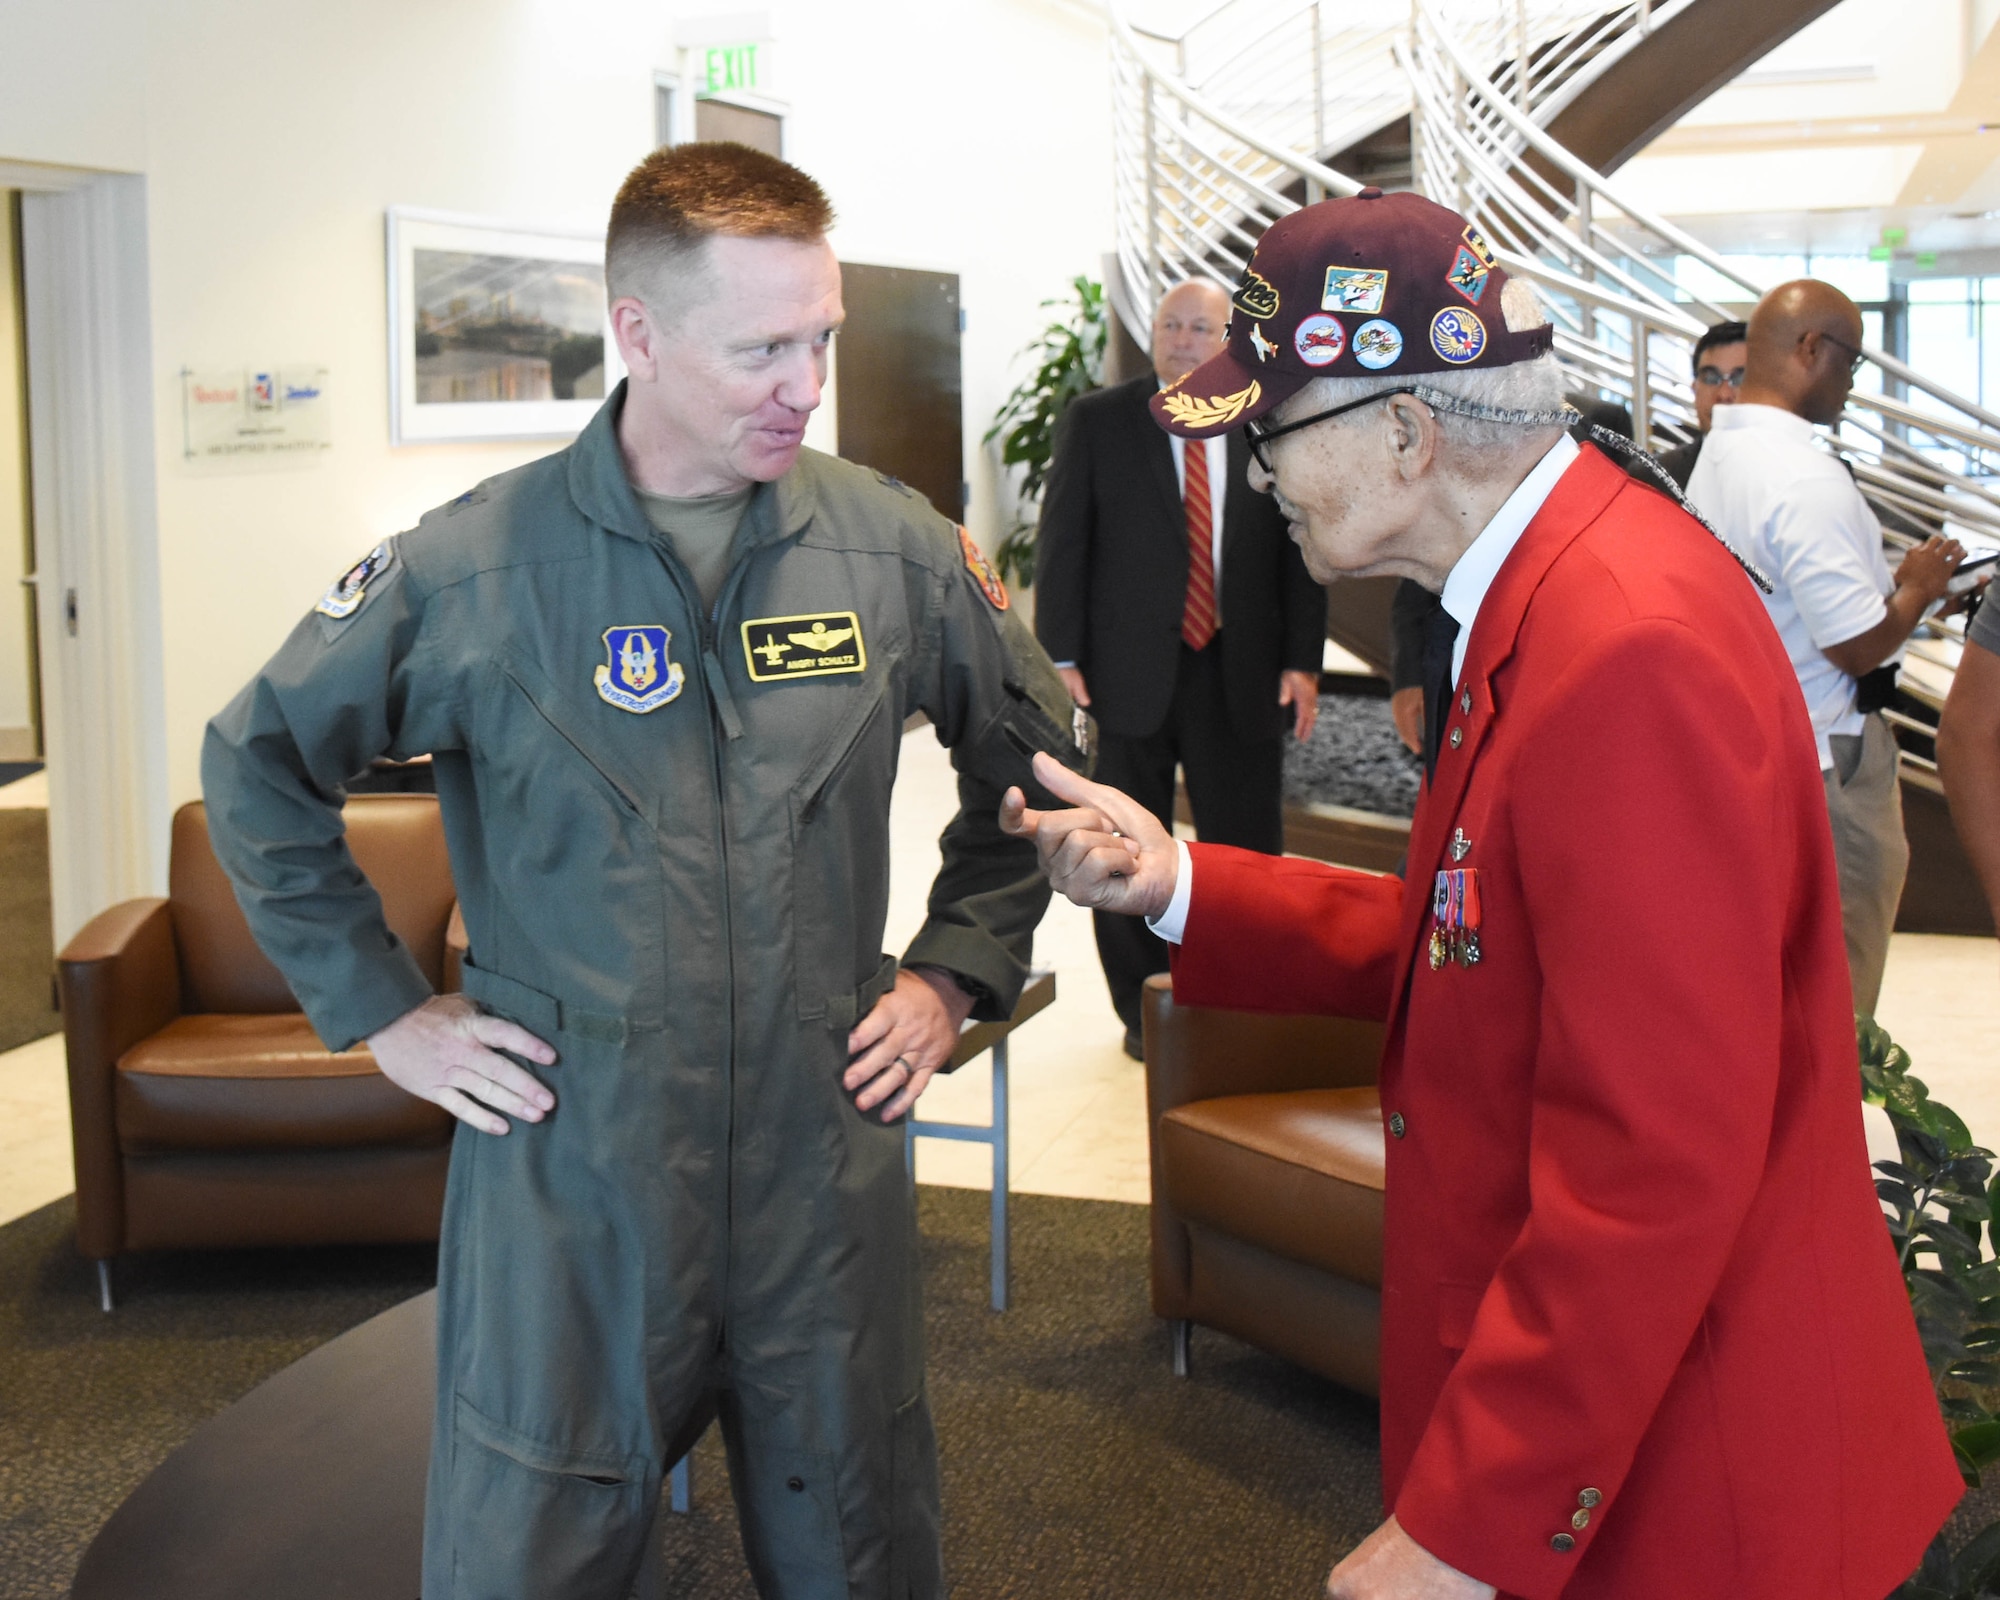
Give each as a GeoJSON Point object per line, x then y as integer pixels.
{"type": "Point", "coordinates": [678, 198]}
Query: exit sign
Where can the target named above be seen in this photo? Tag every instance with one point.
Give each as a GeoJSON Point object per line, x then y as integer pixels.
{"type": "Point", "coordinates": [729, 67]}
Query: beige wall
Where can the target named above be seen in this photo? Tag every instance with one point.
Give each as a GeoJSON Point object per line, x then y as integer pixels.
{"type": "Point", "coordinates": [273, 134]}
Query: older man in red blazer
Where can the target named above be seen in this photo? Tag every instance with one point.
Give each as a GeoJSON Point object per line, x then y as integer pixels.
{"type": "Point", "coordinates": [1643, 1334]}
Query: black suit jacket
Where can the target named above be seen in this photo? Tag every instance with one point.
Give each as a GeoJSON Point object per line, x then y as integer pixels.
{"type": "Point", "coordinates": [1111, 570]}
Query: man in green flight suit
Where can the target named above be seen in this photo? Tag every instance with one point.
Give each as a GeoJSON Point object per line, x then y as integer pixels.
{"type": "Point", "coordinates": [663, 675]}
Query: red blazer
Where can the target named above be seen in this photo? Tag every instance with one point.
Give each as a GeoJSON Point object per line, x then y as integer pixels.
{"type": "Point", "coordinates": [1634, 1262]}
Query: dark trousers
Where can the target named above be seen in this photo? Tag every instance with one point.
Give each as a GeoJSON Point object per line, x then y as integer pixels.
{"type": "Point", "coordinates": [1235, 789]}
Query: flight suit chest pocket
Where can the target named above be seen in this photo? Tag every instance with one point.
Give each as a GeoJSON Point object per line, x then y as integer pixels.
{"type": "Point", "coordinates": [840, 859]}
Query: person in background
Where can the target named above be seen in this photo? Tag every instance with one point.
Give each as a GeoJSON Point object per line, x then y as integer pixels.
{"type": "Point", "coordinates": [1718, 378]}
{"type": "Point", "coordinates": [1790, 508]}
{"type": "Point", "coordinates": [1968, 750]}
{"type": "Point", "coordinates": [1179, 613]}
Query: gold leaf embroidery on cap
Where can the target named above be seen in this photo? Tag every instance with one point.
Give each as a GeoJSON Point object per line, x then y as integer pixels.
{"type": "Point", "coordinates": [1191, 411]}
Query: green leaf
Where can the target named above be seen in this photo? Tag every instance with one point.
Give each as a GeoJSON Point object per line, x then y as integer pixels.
{"type": "Point", "coordinates": [1977, 1566]}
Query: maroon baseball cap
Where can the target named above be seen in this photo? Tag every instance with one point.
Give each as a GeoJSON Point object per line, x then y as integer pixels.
{"type": "Point", "coordinates": [1374, 285]}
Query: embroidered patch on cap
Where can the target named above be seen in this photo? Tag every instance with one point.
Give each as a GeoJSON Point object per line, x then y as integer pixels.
{"type": "Point", "coordinates": [1378, 344]}
{"type": "Point", "coordinates": [1355, 289]}
{"type": "Point", "coordinates": [1254, 296]}
{"type": "Point", "coordinates": [1468, 274]}
{"type": "Point", "coordinates": [639, 677]}
{"type": "Point", "coordinates": [1457, 336]}
{"type": "Point", "coordinates": [1320, 340]}
{"type": "Point", "coordinates": [351, 588]}
{"type": "Point", "coordinates": [809, 646]}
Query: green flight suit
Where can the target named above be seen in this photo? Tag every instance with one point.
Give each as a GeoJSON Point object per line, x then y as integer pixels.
{"type": "Point", "coordinates": [673, 859]}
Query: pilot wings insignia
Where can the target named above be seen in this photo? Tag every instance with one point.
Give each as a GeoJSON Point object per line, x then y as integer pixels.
{"type": "Point", "coordinates": [820, 638]}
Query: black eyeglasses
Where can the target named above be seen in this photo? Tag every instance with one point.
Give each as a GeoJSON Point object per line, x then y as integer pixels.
{"type": "Point", "coordinates": [1855, 354]}
{"type": "Point", "coordinates": [1715, 377]}
{"type": "Point", "coordinates": [1258, 435]}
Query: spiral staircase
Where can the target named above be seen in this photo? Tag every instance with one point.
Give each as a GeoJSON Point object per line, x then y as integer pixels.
{"type": "Point", "coordinates": [1499, 108]}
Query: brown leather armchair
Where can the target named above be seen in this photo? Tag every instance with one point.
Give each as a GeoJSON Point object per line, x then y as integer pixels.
{"type": "Point", "coordinates": [1266, 1137]}
{"type": "Point", "coordinates": [204, 1111]}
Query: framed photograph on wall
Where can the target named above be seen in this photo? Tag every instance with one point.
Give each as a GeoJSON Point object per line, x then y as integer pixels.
{"type": "Point", "coordinates": [496, 330]}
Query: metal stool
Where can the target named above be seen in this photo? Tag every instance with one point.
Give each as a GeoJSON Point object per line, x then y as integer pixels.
{"type": "Point", "coordinates": [977, 1038]}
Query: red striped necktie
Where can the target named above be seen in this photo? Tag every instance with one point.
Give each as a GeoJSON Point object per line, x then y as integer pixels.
{"type": "Point", "coordinates": [1198, 616]}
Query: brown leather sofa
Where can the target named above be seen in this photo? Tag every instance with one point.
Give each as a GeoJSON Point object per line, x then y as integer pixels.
{"type": "Point", "coordinates": [1266, 1136]}
{"type": "Point", "coordinates": [204, 1111]}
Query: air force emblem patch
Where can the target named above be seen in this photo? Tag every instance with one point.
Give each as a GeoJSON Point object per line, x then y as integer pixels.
{"type": "Point", "coordinates": [804, 647]}
{"type": "Point", "coordinates": [639, 677]}
{"type": "Point", "coordinates": [351, 587]}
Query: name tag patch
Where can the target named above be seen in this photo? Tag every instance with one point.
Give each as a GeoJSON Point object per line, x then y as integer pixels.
{"type": "Point", "coordinates": [809, 646]}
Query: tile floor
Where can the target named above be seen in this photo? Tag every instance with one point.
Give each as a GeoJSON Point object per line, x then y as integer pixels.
{"type": "Point", "coordinates": [1078, 1103]}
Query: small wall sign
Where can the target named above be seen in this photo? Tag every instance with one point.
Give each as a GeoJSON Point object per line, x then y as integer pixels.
{"type": "Point", "coordinates": [275, 411]}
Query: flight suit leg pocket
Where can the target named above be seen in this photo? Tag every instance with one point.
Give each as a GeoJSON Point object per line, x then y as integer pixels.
{"type": "Point", "coordinates": [786, 1502]}
{"type": "Point", "coordinates": [540, 1523]}
{"type": "Point", "coordinates": [916, 1545]}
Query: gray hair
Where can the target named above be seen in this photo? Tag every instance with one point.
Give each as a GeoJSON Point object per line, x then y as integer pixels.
{"type": "Point", "coordinates": [1531, 390]}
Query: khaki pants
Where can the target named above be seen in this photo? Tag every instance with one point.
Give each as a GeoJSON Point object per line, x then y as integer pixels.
{"type": "Point", "coordinates": [1864, 802]}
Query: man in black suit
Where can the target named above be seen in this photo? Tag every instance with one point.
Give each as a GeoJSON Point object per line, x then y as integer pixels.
{"type": "Point", "coordinates": [1179, 669]}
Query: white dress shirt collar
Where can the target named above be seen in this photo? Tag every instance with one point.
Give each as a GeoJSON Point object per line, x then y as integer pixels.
{"type": "Point", "coordinates": [1465, 588]}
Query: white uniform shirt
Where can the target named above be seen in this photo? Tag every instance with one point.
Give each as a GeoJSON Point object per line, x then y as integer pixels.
{"type": "Point", "coordinates": [1789, 508]}
{"type": "Point", "coordinates": [1465, 588]}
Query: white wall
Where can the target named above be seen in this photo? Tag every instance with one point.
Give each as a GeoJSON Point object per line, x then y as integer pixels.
{"type": "Point", "coordinates": [972, 137]}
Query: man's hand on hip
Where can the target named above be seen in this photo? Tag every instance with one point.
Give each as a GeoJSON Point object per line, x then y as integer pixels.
{"type": "Point", "coordinates": [1390, 1565]}
{"type": "Point", "coordinates": [898, 1047]}
{"type": "Point", "coordinates": [445, 1051]}
{"type": "Point", "coordinates": [1110, 854]}
{"type": "Point", "coordinates": [1300, 691]}
{"type": "Point", "coordinates": [1073, 681]}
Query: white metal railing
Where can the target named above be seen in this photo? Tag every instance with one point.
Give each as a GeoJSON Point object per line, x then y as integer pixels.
{"type": "Point", "coordinates": [1223, 123]}
{"type": "Point", "coordinates": [1928, 459]}
{"type": "Point", "coordinates": [1219, 109]}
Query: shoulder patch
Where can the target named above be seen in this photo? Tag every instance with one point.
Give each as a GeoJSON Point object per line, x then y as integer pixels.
{"type": "Point", "coordinates": [350, 589]}
{"type": "Point", "coordinates": [983, 573]}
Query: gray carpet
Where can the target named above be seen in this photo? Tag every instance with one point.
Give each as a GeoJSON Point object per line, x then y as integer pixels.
{"type": "Point", "coordinates": [1353, 759]}
{"type": "Point", "coordinates": [1075, 1465]}
{"type": "Point", "coordinates": [27, 947]}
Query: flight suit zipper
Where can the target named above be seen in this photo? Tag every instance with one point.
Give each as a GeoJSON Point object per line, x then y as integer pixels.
{"type": "Point", "coordinates": [717, 692]}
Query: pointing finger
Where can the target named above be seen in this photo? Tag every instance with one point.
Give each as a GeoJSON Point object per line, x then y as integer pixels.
{"type": "Point", "coordinates": [1124, 813]}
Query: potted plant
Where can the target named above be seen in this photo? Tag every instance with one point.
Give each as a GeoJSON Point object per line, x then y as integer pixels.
{"type": "Point", "coordinates": [1069, 361]}
{"type": "Point", "coordinates": [1942, 1201]}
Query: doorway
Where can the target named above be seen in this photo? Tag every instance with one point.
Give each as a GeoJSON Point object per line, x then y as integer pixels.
{"type": "Point", "coordinates": [27, 938]}
{"type": "Point", "coordinates": [900, 397]}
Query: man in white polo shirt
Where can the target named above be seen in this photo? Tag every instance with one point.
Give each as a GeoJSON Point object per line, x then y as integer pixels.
{"type": "Point", "coordinates": [1790, 507]}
